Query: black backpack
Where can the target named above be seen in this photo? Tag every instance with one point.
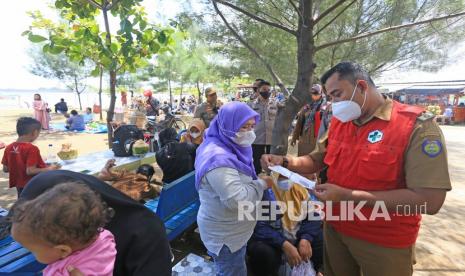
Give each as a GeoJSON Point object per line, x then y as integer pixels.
{"type": "Point", "coordinates": [123, 139]}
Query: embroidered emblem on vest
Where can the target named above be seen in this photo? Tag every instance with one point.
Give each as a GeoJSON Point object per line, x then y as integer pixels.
{"type": "Point", "coordinates": [375, 136]}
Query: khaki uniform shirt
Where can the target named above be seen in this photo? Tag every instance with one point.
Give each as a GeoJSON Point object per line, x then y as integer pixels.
{"type": "Point", "coordinates": [421, 169]}
{"type": "Point", "coordinates": [264, 129]}
{"type": "Point", "coordinates": [204, 112]}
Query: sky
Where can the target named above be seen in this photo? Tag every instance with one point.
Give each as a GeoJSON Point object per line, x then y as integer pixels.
{"type": "Point", "coordinates": [15, 61]}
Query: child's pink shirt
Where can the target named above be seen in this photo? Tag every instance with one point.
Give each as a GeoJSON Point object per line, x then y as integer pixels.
{"type": "Point", "coordinates": [96, 259]}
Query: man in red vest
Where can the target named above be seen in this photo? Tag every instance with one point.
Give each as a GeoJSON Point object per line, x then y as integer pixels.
{"type": "Point", "coordinates": [387, 164]}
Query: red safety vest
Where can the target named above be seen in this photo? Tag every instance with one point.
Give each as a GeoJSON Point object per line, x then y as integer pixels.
{"type": "Point", "coordinates": [371, 158]}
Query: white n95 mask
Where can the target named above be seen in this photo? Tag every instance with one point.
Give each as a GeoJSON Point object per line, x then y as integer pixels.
{"type": "Point", "coordinates": [244, 138]}
{"type": "Point", "coordinates": [346, 111]}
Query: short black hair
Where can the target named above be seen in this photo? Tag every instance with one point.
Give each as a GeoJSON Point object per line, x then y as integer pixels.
{"type": "Point", "coordinates": [89, 108]}
{"type": "Point", "coordinates": [263, 82]}
{"type": "Point", "coordinates": [146, 170]}
{"type": "Point", "coordinates": [26, 125]}
{"type": "Point", "coordinates": [260, 80]}
{"type": "Point", "coordinates": [349, 71]}
{"type": "Point", "coordinates": [74, 112]}
{"type": "Point", "coordinates": [62, 99]}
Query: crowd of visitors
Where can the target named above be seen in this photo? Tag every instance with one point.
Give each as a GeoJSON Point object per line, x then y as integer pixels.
{"type": "Point", "coordinates": [356, 144]}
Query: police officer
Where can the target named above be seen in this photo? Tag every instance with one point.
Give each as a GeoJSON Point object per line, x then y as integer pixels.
{"type": "Point", "coordinates": [267, 108]}
{"type": "Point", "coordinates": [386, 158]}
{"type": "Point", "coordinates": [255, 93]}
{"type": "Point", "coordinates": [209, 109]}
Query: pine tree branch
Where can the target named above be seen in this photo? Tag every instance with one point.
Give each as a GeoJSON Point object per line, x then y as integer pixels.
{"type": "Point", "coordinates": [256, 18]}
{"type": "Point", "coordinates": [296, 9]}
{"type": "Point", "coordinates": [332, 20]}
{"type": "Point", "coordinates": [389, 29]}
{"type": "Point", "coordinates": [329, 10]}
{"type": "Point", "coordinates": [250, 48]}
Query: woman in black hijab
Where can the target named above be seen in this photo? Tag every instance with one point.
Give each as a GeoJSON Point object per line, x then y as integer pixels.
{"type": "Point", "coordinates": [141, 242]}
{"type": "Point", "coordinates": [175, 159]}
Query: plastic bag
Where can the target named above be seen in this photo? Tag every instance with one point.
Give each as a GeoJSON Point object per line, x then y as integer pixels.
{"type": "Point", "coordinates": [304, 269]}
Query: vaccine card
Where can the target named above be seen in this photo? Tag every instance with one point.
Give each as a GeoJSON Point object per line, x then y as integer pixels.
{"type": "Point", "coordinates": [294, 177]}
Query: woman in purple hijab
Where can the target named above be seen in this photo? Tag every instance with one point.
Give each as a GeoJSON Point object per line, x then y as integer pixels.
{"type": "Point", "coordinates": [226, 179]}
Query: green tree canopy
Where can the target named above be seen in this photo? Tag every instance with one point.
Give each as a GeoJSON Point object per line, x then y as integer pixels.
{"type": "Point", "coordinates": [60, 67]}
{"type": "Point", "coordinates": [80, 37]}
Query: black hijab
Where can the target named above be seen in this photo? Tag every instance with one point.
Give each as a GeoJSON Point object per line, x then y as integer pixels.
{"type": "Point", "coordinates": [167, 135]}
{"type": "Point", "coordinates": [141, 242]}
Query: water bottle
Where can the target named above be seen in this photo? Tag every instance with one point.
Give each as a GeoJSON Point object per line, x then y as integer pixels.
{"type": "Point", "coordinates": [156, 146]}
{"type": "Point", "coordinates": [51, 155]}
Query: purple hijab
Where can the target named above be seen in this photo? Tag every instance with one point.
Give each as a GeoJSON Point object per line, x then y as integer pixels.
{"type": "Point", "coordinates": [219, 150]}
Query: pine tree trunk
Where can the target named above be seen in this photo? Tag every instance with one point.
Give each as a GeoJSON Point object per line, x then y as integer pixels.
{"type": "Point", "coordinates": [300, 95]}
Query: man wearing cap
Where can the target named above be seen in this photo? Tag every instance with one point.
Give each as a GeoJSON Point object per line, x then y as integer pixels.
{"type": "Point", "coordinates": [207, 110]}
{"type": "Point", "coordinates": [267, 108]}
{"type": "Point", "coordinates": [308, 123]}
{"type": "Point", "coordinates": [387, 165]}
{"type": "Point", "coordinates": [152, 105]}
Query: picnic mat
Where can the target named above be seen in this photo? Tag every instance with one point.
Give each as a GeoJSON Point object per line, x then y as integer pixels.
{"type": "Point", "coordinates": [93, 127]}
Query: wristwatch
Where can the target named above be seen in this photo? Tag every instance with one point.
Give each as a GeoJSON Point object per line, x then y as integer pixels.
{"type": "Point", "coordinates": [285, 162]}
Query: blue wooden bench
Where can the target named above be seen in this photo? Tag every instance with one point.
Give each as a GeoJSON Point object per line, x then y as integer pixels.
{"type": "Point", "coordinates": [16, 260]}
{"type": "Point", "coordinates": [177, 205]}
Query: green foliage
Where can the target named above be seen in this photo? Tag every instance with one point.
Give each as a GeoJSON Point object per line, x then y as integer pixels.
{"type": "Point", "coordinates": [425, 47]}
{"type": "Point", "coordinates": [189, 62]}
{"type": "Point", "coordinates": [57, 66]}
{"type": "Point", "coordinates": [79, 35]}
{"type": "Point", "coordinates": [54, 65]}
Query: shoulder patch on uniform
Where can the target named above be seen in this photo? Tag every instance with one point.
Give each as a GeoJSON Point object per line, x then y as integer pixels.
{"type": "Point", "coordinates": [432, 148]}
{"type": "Point", "coordinates": [425, 116]}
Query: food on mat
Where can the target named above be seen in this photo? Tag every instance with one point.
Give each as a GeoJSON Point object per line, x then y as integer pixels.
{"type": "Point", "coordinates": [67, 153]}
{"type": "Point", "coordinates": [140, 147]}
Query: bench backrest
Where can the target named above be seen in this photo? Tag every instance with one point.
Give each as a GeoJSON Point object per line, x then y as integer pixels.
{"type": "Point", "coordinates": [177, 195]}
{"type": "Point", "coordinates": [16, 260]}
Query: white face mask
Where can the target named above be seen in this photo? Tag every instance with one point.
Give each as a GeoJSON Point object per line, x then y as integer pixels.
{"type": "Point", "coordinates": [346, 111]}
{"type": "Point", "coordinates": [244, 138]}
{"type": "Point", "coordinates": [195, 134]}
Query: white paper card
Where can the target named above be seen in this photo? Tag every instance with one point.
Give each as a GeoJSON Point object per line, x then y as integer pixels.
{"type": "Point", "coordinates": [294, 177]}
